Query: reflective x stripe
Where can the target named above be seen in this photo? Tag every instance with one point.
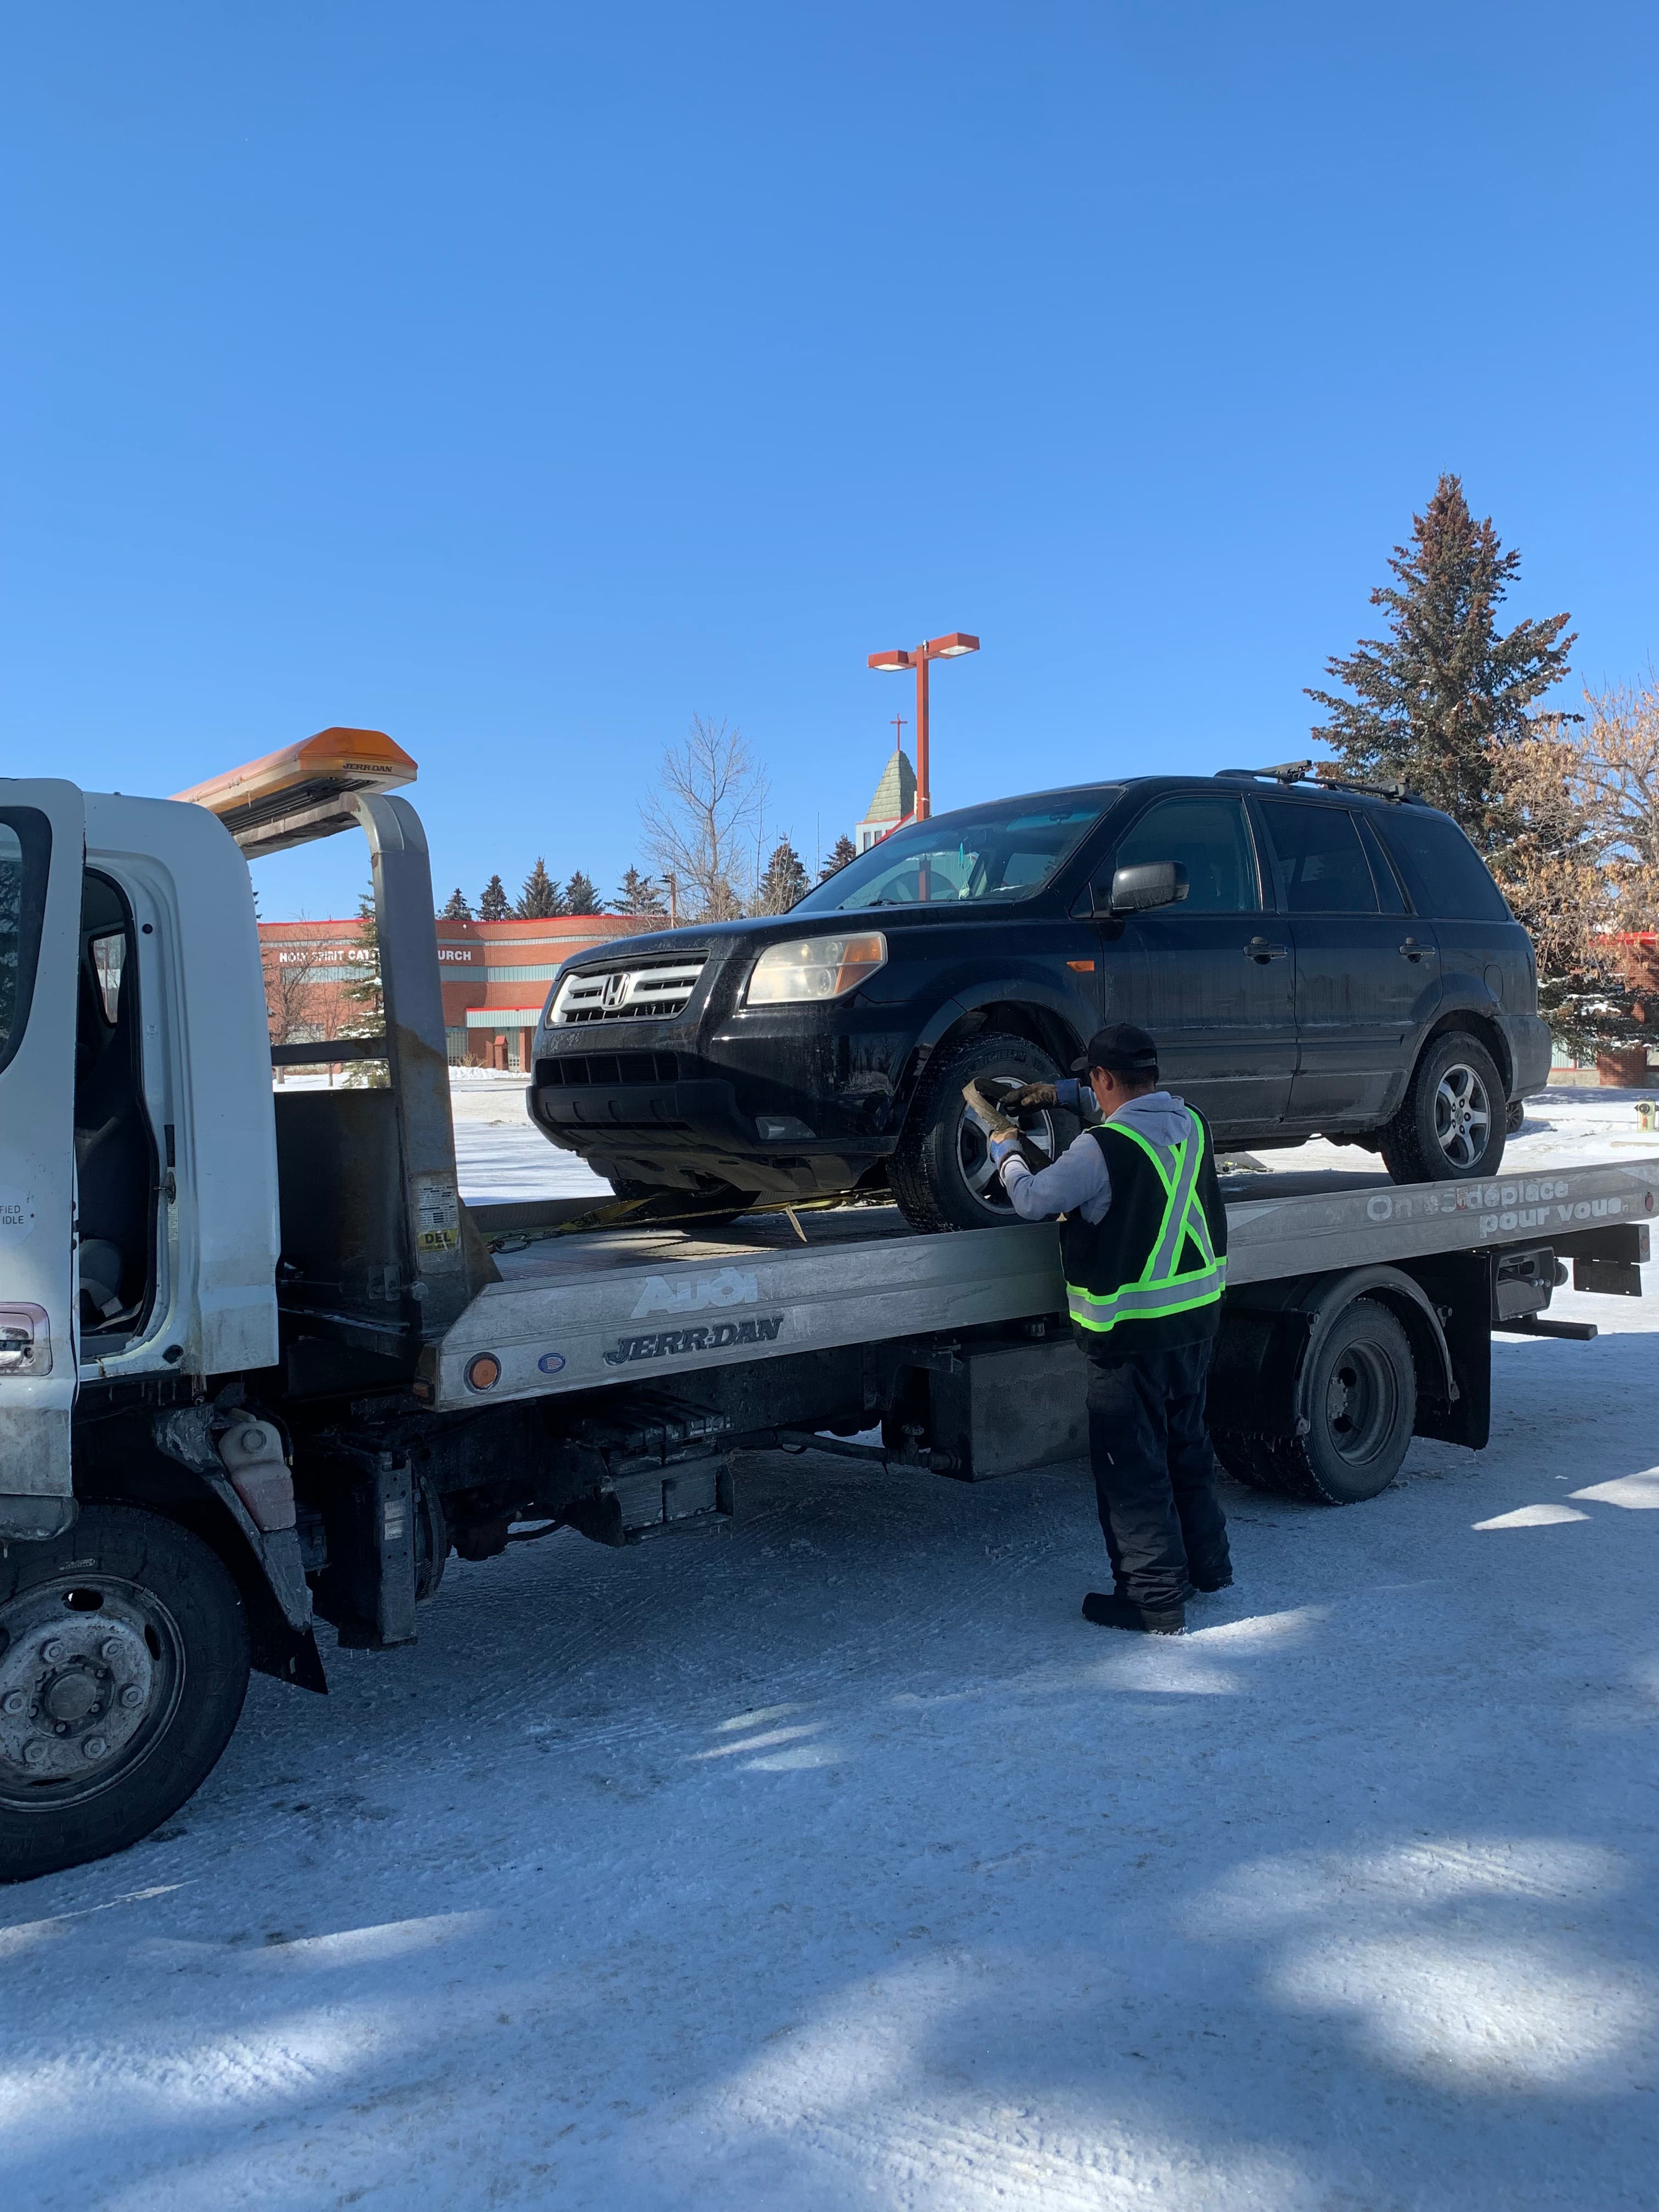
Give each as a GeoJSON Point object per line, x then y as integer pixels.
{"type": "Point", "coordinates": [1159, 1291]}
{"type": "Point", "coordinates": [1147, 1301]}
{"type": "Point", "coordinates": [1180, 1180]}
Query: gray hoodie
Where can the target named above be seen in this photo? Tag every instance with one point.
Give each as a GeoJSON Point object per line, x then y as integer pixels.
{"type": "Point", "coordinates": [1078, 1182]}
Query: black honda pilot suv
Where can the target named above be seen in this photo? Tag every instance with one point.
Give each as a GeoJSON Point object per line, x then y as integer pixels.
{"type": "Point", "coordinates": [1312, 957]}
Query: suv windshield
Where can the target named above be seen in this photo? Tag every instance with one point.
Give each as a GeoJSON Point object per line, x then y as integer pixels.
{"type": "Point", "coordinates": [1006, 851]}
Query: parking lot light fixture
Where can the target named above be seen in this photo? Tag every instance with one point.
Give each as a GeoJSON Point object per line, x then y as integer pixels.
{"type": "Point", "coordinates": [950, 646]}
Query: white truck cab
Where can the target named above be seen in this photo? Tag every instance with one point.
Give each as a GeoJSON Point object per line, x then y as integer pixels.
{"type": "Point", "coordinates": [139, 1223]}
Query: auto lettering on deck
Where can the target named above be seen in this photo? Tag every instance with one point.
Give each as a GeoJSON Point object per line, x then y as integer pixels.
{"type": "Point", "coordinates": [729, 1287]}
{"type": "Point", "coordinates": [674, 1343]}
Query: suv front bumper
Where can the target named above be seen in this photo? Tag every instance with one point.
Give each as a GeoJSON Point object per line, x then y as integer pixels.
{"type": "Point", "coordinates": [797, 1108]}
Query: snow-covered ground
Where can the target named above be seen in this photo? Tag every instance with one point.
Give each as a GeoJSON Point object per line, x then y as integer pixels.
{"type": "Point", "coordinates": [503, 1155]}
{"type": "Point", "coordinates": [839, 1863]}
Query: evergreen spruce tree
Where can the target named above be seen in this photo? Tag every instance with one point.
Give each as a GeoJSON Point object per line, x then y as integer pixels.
{"type": "Point", "coordinates": [456, 907]}
{"type": "Point", "coordinates": [493, 904]}
{"type": "Point", "coordinates": [639, 895]}
{"type": "Point", "coordinates": [836, 857]}
{"type": "Point", "coordinates": [1440, 702]}
{"type": "Point", "coordinates": [784, 881]}
{"type": "Point", "coordinates": [540, 898]}
{"type": "Point", "coordinates": [582, 895]}
{"type": "Point", "coordinates": [368, 1016]}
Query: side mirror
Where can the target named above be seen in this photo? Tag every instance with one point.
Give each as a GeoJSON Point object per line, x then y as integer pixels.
{"type": "Point", "coordinates": [1151, 884]}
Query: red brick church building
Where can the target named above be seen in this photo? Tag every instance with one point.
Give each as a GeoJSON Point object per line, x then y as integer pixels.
{"type": "Point", "coordinates": [495, 975]}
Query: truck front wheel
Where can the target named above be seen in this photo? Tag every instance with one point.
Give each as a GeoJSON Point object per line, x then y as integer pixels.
{"type": "Point", "coordinates": [123, 1662]}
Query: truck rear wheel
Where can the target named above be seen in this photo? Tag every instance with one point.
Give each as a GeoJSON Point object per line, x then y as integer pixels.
{"type": "Point", "coordinates": [1360, 1399]}
{"type": "Point", "coordinates": [123, 1662]}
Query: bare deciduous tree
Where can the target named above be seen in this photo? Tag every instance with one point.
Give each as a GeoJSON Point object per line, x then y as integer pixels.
{"type": "Point", "coordinates": [291, 967]}
{"type": "Point", "coordinates": [698, 823]}
{"type": "Point", "coordinates": [1620, 771]}
{"type": "Point", "coordinates": [1580, 865]}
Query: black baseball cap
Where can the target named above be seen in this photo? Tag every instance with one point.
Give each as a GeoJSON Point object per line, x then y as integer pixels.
{"type": "Point", "coordinates": [1123, 1049]}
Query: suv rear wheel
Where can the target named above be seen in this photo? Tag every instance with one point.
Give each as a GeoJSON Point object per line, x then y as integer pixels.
{"type": "Point", "coordinates": [942, 1175]}
{"type": "Point", "coordinates": [1453, 1121]}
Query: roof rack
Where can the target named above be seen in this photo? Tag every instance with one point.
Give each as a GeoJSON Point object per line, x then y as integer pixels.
{"type": "Point", "coordinates": [1323, 774]}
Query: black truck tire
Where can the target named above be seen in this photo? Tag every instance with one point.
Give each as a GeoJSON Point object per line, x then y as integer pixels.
{"type": "Point", "coordinates": [123, 1662]}
{"type": "Point", "coordinates": [1361, 1401]}
{"type": "Point", "coordinates": [941, 1174]}
{"type": "Point", "coordinates": [1453, 1121]}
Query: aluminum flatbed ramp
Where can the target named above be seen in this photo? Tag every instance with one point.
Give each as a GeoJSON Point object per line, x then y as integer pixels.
{"type": "Point", "coordinates": [579, 1312]}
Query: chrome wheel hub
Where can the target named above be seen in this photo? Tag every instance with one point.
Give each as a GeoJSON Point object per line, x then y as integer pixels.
{"type": "Point", "coordinates": [1462, 1117]}
{"type": "Point", "coordinates": [89, 1673]}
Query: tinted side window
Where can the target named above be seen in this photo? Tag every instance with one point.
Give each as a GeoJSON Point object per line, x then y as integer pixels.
{"type": "Point", "coordinates": [25, 853]}
{"type": "Point", "coordinates": [1211, 839]}
{"type": "Point", "coordinates": [1320, 859]}
{"type": "Point", "coordinates": [1444, 874]}
{"type": "Point", "coordinates": [1388, 895]}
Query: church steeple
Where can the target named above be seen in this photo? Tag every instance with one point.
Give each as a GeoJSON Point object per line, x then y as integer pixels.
{"type": "Point", "coordinates": [895, 802]}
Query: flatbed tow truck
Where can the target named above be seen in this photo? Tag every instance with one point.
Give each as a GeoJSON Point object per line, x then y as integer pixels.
{"type": "Point", "coordinates": [260, 1365]}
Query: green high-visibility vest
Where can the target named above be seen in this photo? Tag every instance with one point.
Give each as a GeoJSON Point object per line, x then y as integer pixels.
{"type": "Point", "coordinates": [1153, 1256]}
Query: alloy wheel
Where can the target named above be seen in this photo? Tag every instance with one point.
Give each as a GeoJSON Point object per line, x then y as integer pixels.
{"type": "Point", "coordinates": [979, 1171]}
{"type": "Point", "coordinates": [1462, 1116]}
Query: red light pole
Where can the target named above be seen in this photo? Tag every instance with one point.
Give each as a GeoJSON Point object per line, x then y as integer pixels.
{"type": "Point", "coordinates": [937, 648]}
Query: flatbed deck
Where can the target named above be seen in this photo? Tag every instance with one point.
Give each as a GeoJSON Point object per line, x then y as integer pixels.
{"type": "Point", "coordinates": [581, 1311]}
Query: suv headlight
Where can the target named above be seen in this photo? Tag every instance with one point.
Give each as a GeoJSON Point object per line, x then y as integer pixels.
{"type": "Point", "coordinates": [808, 968]}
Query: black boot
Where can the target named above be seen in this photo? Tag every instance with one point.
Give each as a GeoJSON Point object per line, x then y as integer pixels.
{"type": "Point", "coordinates": [1217, 1580]}
{"type": "Point", "coordinates": [1116, 1612]}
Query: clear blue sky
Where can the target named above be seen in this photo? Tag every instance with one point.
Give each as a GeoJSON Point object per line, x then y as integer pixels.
{"type": "Point", "coordinates": [520, 379]}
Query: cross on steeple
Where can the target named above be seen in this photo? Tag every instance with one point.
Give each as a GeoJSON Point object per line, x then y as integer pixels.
{"type": "Point", "coordinates": [898, 741]}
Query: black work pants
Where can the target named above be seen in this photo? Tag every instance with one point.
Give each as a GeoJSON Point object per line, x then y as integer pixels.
{"type": "Point", "coordinates": [1155, 1472]}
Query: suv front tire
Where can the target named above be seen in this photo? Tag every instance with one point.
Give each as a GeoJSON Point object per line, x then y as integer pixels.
{"type": "Point", "coordinates": [1453, 1121]}
{"type": "Point", "coordinates": [941, 1174]}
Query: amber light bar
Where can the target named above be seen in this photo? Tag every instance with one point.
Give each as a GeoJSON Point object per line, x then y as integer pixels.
{"type": "Point", "coordinates": [304, 791]}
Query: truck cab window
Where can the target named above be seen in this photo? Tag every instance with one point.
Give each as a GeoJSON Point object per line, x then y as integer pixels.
{"type": "Point", "coordinates": [109, 954]}
{"type": "Point", "coordinates": [116, 1164]}
{"type": "Point", "coordinates": [25, 850]}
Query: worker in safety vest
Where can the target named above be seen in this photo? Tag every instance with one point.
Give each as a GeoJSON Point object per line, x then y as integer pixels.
{"type": "Point", "coordinates": [1143, 1243]}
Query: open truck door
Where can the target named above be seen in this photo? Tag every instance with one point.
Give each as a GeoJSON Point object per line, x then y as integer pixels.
{"type": "Point", "coordinates": [42, 859]}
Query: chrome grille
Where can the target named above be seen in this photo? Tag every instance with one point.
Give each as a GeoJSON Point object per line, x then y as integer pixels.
{"type": "Point", "coordinates": [645, 993]}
